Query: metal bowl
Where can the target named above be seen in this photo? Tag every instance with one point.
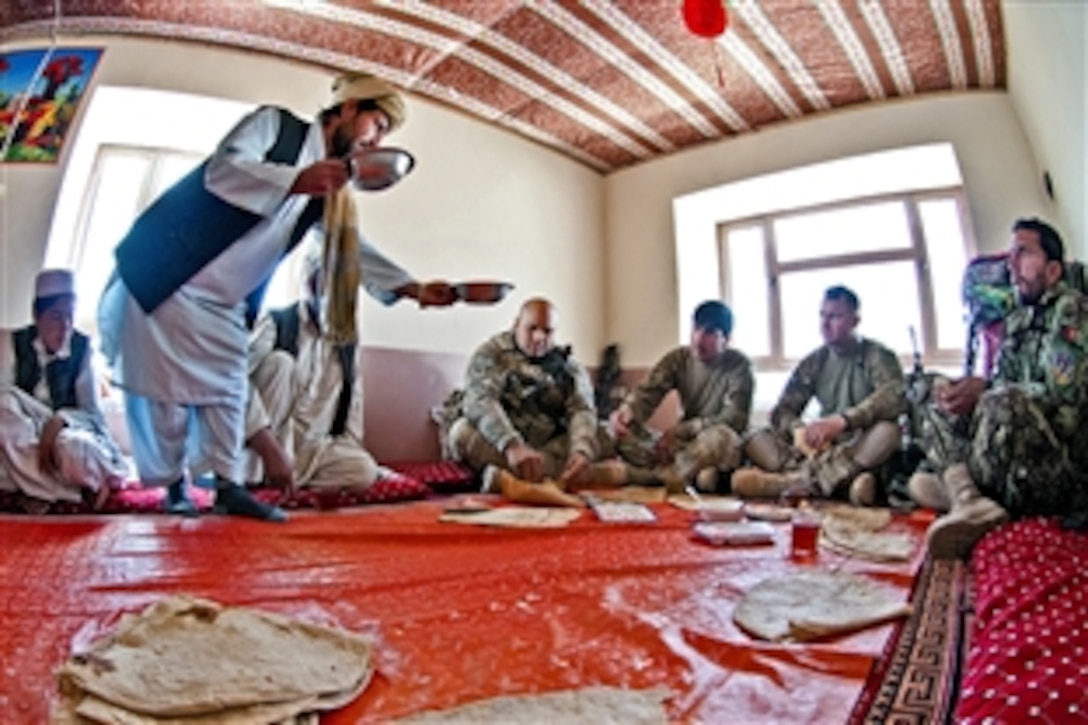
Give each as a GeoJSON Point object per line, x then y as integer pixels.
{"type": "Point", "coordinates": [482, 292]}
{"type": "Point", "coordinates": [379, 168]}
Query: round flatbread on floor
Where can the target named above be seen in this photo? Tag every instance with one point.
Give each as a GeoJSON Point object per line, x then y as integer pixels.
{"type": "Point", "coordinates": [855, 532]}
{"type": "Point", "coordinates": [591, 705]}
{"type": "Point", "coordinates": [807, 605]}
{"type": "Point", "coordinates": [867, 519]}
{"type": "Point", "coordinates": [184, 657]}
{"type": "Point", "coordinates": [875, 546]}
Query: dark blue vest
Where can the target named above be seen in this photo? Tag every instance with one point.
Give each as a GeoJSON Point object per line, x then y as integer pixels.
{"type": "Point", "coordinates": [60, 375]}
{"type": "Point", "coordinates": [188, 226]}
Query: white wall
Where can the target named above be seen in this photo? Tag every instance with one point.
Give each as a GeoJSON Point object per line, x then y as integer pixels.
{"type": "Point", "coordinates": [641, 309]}
{"type": "Point", "coordinates": [482, 203]}
{"type": "Point", "coordinates": [1048, 66]}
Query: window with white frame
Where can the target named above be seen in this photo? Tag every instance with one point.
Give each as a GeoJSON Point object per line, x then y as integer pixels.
{"type": "Point", "coordinates": [901, 253]}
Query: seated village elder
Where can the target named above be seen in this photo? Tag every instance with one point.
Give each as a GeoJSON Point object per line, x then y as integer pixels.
{"type": "Point", "coordinates": [715, 384]}
{"type": "Point", "coordinates": [860, 387]}
{"type": "Point", "coordinates": [527, 419]}
{"type": "Point", "coordinates": [304, 412]}
{"type": "Point", "coordinates": [1015, 444]}
{"type": "Point", "coordinates": [54, 444]}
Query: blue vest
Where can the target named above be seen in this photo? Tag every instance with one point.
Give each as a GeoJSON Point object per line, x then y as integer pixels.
{"type": "Point", "coordinates": [188, 226]}
{"type": "Point", "coordinates": [60, 375]}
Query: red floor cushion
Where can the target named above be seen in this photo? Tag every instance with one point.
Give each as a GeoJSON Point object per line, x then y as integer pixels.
{"type": "Point", "coordinates": [441, 476]}
{"type": "Point", "coordinates": [134, 498]}
{"type": "Point", "coordinates": [1028, 659]}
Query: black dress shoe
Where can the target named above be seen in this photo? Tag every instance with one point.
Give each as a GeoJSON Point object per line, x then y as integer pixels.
{"type": "Point", "coordinates": [235, 500]}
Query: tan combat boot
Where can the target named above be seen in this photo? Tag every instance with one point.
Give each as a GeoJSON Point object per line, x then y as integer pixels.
{"type": "Point", "coordinates": [752, 482]}
{"type": "Point", "coordinates": [706, 480]}
{"type": "Point", "coordinates": [602, 474]}
{"type": "Point", "coordinates": [863, 489]}
{"type": "Point", "coordinates": [925, 489]}
{"type": "Point", "coordinates": [973, 515]}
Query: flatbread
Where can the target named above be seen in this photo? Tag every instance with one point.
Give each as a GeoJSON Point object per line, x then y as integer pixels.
{"type": "Point", "coordinates": [593, 706]}
{"type": "Point", "coordinates": [768, 512]}
{"type": "Point", "coordinates": [184, 657]}
{"type": "Point", "coordinates": [855, 532]}
{"type": "Point", "coordinates": [865, 518]}
{"type": "Point", "coordinates": [806, 605]}
{"type": "Point", "coordinates": [855, 542]}
{"type": "Point", "coordinates": [517, 517]}
{"type": "Point", "coordinates": [711, 508]}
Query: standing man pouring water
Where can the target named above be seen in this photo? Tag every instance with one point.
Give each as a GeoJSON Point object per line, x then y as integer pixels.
{"type": "Point", "coordinates": [191, 271]}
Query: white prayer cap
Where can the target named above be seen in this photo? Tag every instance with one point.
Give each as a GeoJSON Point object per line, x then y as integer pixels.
{"type": "Point", "coordinates": [365, 87]}
{"type": "Point", "coordinates": [52, 282]}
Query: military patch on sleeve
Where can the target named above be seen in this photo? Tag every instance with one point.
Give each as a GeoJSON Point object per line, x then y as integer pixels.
{"type": "Point", "coordinates": [1063, 366]}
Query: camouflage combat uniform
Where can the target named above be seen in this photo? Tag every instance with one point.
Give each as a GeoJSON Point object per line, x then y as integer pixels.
{"type": "Point", "coordinates": [509, 397]}
{"type": "Point", "coordinates": [716, 401]}
{"type": "Point", "coordinates": [871, 392]}
{"type": "Point", "coordinates": [1026, 442]}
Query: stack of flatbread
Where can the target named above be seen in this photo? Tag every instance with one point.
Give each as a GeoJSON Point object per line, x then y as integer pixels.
{"type": "Point", "coordinates": [592, 705]}
{"type": "Point", "coordinates": [188, 661]}
{"type": "Point", "coordinates": [808, 605]}
{"type": "Point", "coordinates": [856, 532]}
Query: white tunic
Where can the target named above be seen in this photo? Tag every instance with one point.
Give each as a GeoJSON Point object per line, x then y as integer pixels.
{"type": "Point", "coordinates": [190, 352]}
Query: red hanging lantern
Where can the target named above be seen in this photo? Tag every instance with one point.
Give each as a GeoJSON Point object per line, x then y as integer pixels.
{"type": "Point", "coordinates": [705, 18]}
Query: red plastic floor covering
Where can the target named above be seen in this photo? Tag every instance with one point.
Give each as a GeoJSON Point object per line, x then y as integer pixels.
{"type": "Point", "coordinates": [459, 612]}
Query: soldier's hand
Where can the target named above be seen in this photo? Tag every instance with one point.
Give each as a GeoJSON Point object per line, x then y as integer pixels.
{"type": "Point", "coordinates": [960, 396]}
{"type": "Point", "coordinates": [575, 466]}
{"type": "Point", "coordinates": [321, 178]}
{"type": "Point", "coordinates": [526, 462]}
{"type": "Point", "coordinates": [821, 433]}
{"type": "Point", "coordinates": [620, 421]}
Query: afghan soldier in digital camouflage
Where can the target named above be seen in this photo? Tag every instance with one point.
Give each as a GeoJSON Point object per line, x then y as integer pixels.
{"type": "Point", "coordinates": [527, 407]}
{"type": "Point", "coordinates": [860, 387]}
{"type": "Point", "coordinates": [715, 384]}
{"type": "Point", "coordinates": [1010, 445]}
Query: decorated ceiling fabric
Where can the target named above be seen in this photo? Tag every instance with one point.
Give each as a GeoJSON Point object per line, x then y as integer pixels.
{"type": "Point", "coordinates": [611, 84]}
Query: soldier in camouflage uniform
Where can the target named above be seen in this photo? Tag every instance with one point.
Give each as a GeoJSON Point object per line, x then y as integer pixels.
{"type": "Point", "coordinates": [527, 406]}
{"type": "Point", "coordinates": [1010, 445]}
{"type": "Point", "coordinates": [860, 387]}
{"type": "Point", "coordinates": [715, 384]}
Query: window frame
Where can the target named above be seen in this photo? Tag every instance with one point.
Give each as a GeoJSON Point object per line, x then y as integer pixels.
{"type": "Point", "coordinates": [916, 254]}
